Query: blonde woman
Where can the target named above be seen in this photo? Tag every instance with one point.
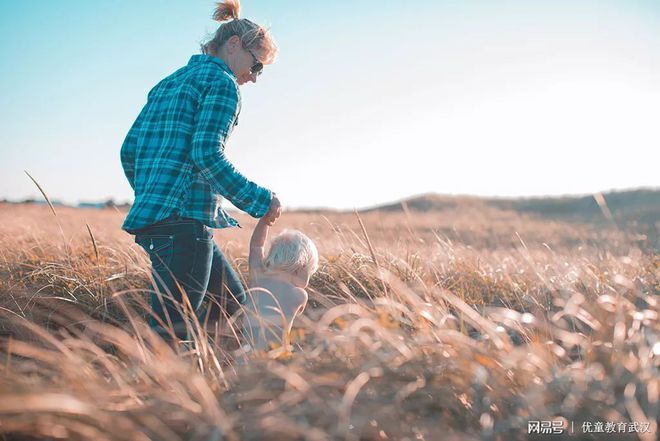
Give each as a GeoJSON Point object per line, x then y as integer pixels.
{"type": "Point", "coordinates": [174, 159]}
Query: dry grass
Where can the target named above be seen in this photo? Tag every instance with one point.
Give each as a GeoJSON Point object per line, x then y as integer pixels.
{"type": "Point", "coordinates": [463, 325]}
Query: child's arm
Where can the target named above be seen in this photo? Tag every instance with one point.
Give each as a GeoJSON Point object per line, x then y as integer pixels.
{"type": "Point", "coordinates": [303, 302]}
{"type": "Point", "coordinates": [259, 236]}
{"type": "Point", "coordinates": [293, 305]}
{"type": "Point", "coordinates": [257, 242]}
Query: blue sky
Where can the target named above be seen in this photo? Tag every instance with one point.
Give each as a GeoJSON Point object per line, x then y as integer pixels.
{"type": "Point", "coordinates": [367, 102]}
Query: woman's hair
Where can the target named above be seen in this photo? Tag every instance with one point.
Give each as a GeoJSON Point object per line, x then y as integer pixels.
{"type": "Point", "coordinates": [251, 34]}
{"type": "Point", "coordinates": [291, 250]}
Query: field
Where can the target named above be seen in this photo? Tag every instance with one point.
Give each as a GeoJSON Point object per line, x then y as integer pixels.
{"type": "Point", "coordinates": [461, 324]}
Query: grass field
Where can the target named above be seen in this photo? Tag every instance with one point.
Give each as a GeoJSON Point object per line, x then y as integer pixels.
{"type": "Point", "coordinates": [462, 324]}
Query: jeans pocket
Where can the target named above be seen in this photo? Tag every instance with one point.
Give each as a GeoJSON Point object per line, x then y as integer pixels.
{"type": "Point", "coordinates": [160, 248]}
{"type": "Point", "coordinates": [203, 252]}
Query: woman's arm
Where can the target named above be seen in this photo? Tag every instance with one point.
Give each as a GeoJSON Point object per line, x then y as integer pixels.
{"type": "Point", "coordinates": [214, 119]}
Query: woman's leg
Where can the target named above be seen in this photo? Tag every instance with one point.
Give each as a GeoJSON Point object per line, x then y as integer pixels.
{"type": "Point", "coordinates": [181, 253]}
{"type": "Point", "coordinates": [225, 289]}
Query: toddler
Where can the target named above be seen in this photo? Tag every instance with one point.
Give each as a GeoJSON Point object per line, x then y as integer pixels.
{"type": "Point", "coordinates": [277, 283]}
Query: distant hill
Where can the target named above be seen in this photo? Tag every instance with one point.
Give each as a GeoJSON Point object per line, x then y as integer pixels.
{"type": "Point", "coordinates": [634, 210]}
{"type": "Point", "coordinates": [647, 200]}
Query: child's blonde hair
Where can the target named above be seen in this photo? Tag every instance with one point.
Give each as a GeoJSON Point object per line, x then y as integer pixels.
{"type": "Point", "coordinates": [292, 251]}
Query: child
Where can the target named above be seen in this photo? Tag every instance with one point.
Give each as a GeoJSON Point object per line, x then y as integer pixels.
{"type": "Point", "coordinates": [277, 283]}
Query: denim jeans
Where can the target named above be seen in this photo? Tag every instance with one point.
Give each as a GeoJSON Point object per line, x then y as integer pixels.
{"type": "Point", "coordinates": [183, 254]}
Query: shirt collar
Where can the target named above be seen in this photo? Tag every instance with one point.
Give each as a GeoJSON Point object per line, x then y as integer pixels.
{"type": "Point", "coordinates": [203, 58]}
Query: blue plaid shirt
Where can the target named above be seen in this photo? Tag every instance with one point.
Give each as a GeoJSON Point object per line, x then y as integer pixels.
{"type": "Point", "coordinates": [173, 155]}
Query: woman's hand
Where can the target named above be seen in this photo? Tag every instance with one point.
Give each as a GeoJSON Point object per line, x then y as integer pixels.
{"type": "Point", "coordinates": [274, 211]}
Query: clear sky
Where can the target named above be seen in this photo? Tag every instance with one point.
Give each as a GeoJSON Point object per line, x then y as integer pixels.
{"type": "Point", "coordinates": [368, 101]}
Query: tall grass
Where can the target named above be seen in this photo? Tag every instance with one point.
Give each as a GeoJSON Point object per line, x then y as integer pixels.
{"type": "Point", "coordinates": [419, 327]}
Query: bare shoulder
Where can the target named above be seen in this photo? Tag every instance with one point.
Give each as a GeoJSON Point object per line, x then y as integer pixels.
{"type": "Point", "coordinates": [292, 298]}
{"type": "Point", "coordinates": [256, 274]}
{"type": "Point", "coordinates": [300, 294]}
{"type": "Point", "coordinates": [292, 294]}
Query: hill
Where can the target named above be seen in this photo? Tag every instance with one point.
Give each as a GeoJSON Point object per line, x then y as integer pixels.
{"type": "Point", "coordinates": [631, 210]}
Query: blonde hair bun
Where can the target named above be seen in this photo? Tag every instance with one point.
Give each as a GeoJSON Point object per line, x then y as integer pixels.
{"type": "Point", "coordinates": [252, 35]}
{"type": "Point", "coordinates": [227, 10]}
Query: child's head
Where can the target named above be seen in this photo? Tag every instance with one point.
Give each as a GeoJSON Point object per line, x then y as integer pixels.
{"type": "Point", "coordinates": [294, 253]}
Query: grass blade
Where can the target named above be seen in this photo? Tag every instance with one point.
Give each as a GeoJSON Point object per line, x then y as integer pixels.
{"type": "Point", "coordinates": [52, 208]}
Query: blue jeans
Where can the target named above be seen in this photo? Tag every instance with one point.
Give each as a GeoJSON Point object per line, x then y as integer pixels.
{"type": "Point", "coordinates": [183, 254]}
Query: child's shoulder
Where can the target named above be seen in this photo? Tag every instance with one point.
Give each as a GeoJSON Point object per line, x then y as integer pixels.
{"type": "Point", "coordinates": [278, 285]}
{"type": "Point", "coordinates": [294, 294]}
{"type": "Point", "coordinates": [301, 293]}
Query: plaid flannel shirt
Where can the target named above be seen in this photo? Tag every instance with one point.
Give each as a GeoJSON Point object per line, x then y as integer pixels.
{"type": "Point", "coordinates": [173, 155]}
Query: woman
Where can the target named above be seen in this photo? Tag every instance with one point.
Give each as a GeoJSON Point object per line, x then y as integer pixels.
{"type": "Point", "coordinates": [173, 157]}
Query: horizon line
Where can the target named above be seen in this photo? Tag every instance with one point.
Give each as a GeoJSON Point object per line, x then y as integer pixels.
{"type": "Point", "coordinates": [82, 203]}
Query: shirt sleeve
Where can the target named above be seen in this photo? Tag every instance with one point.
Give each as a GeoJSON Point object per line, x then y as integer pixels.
{"type": "Point", "coordinates": [215, 116]}
{"type": "Point", "coordinates": [128, 158]}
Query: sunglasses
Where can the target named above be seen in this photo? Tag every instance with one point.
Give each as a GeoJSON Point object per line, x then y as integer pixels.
{"type": "Point", "coordinates": [258, 66]}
